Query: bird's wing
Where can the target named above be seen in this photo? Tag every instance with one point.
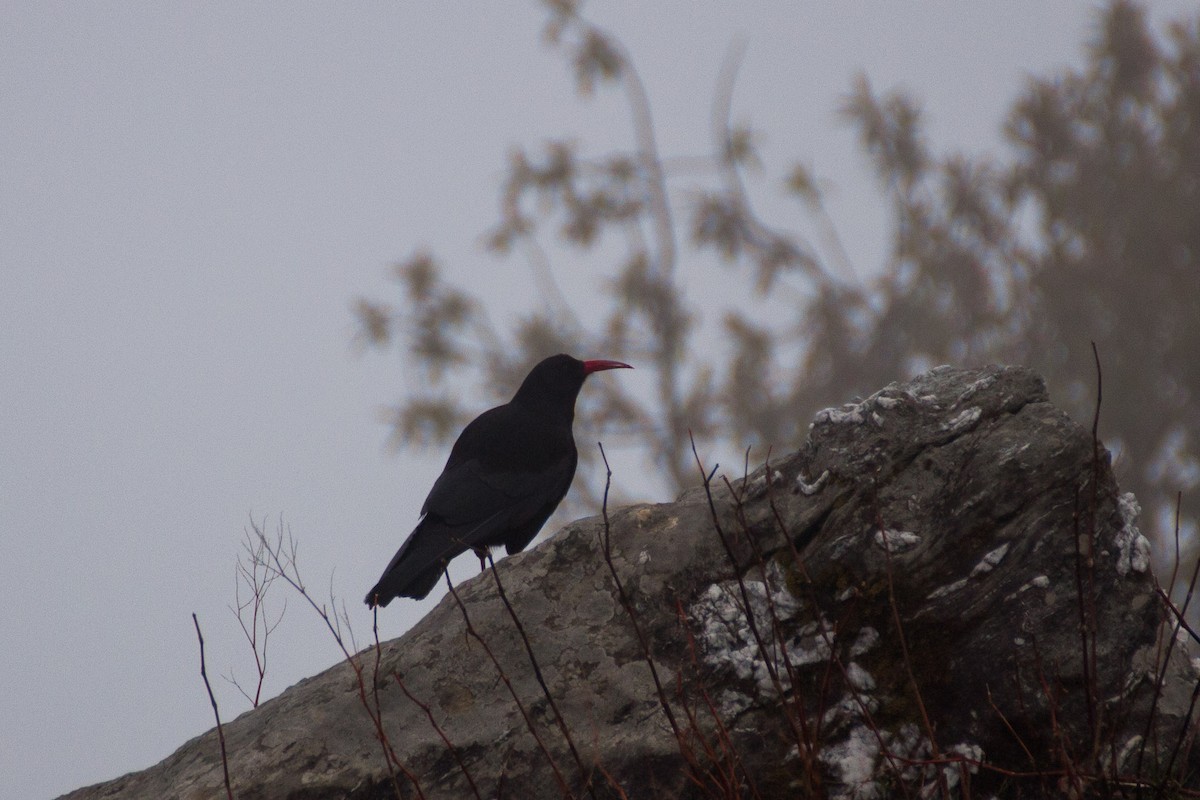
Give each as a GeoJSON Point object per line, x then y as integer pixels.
{"type": "Point", "coordinates": [479, 503]}
{"type": "Point", "coordinates": [430, 541]}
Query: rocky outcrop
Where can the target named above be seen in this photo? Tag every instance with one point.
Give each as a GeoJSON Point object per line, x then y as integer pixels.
{"type": "Point", "coordinates": [943, 586]}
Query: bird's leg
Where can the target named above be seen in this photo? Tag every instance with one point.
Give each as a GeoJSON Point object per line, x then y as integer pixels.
{"type": "Point", "coordinates": [482, 554]}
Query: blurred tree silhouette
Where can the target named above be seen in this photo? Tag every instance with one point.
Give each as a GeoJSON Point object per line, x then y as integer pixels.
{"type": "Point", "coordinates": [1089, 230]}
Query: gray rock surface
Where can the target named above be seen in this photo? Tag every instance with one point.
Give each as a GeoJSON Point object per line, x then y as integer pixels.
{"type": "Point", "coordinates": [944, 584]}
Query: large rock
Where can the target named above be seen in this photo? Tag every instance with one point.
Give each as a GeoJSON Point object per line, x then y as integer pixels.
{"type": "Point", "coordinates": [944, 585]}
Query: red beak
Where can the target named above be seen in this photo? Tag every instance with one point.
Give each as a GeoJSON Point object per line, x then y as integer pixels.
{"type": "Point", "coordinates": [600, 364]}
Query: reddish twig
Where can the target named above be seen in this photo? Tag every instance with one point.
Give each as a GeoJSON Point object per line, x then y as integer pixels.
{"type": "Point", "coordinates": [285, 567]}
{"type": "Point", "coordinates": [713, 772]}
{"type": "Point", "coordinates": [904, 656]}
{"type": "Point", "coordinates": [723, 736]}
{"type": "Point", "coordinates": [212, 699]}
{"type": "Point", "coordinates": [616, 787]}
{"type": "Point", "coordinates": [627, 604]}
{"type": "Point", "coordinates": [806, 742]}
{"type": "Point", "coordinates": [1016, 736]}
{"type": "Point", "coordinates": [1070, 768]}
{"type": "Point", "coordinates": [835, 659]}
{"type": "Point", "coordinates": [584, 773]}
{"type": "Point", "coordinates": [529, 723]}
{"type": "Point", "coordinates": [1180, 620]}
{"type": "Point", "coordinates": [441, 733]}
{"type": "Point", "coordinates": [257, 579]}
{"type": "Point", "coordinates": [751, 622]}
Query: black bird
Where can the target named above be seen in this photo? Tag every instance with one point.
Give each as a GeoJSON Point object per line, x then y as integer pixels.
{"type": "Point", "coordinates": [506, 474]}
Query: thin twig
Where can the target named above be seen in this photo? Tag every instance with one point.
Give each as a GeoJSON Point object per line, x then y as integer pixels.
{"type": "Point", "coordinates": [1181, 621]}
{"type": "Point", "coordinates": [751, 622]}
{"type": "Point", "coordinates": [723, 735]}
{"type": "Point", "coordinates": [1085, 639]}
{"type": "Point", "coordinates": [584, 773]}
{"type": "Point", "coordinates": [1070, 768]}
{"type": "Point", "coordinates": [1093, 687]}
{"type": "Point", "coordinates": [441, 733]}
{"type": "Point", "coordinates": [807, 741]}
{"type": "Point", "coordinates": [212, 699]}
{"type": "Point", "coordinates": [529, 723]}
{"type": "Point", "coordinates": [835, 659]}
{"type": "Point", "coordinates": [285, 567]}
{"type": "Point", "coordinates": [257, 631]}
{"type": "Point", "coordinates": [712, 773]}
{"type": "Point", "coordinates": [906, 658]}
{"type": "Point", "coordinates": [627, 604]}
{"type": "Point", "coordinates": [1184, 729]}
{"type": "Point", "coordinates": [1016, 736]}
{"type": "Point", "coordinates": [1185, 726]}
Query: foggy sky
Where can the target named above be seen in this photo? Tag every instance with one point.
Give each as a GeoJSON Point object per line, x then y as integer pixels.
{"type": "Point", "coordinates": [193, 195]}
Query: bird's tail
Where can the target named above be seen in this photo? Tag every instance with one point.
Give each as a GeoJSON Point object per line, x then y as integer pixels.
{"type": "Point", "coordinates": [417, 567]}
{"type": "Point", "coordinates": [397, 583]}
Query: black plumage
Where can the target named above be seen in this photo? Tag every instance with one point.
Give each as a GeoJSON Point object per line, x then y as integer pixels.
{"type": "Point", "coordinates": [507, 472]}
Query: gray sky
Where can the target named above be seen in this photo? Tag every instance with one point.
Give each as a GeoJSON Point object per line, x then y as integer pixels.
{"type": "Point", "coordinates": [193, 195]}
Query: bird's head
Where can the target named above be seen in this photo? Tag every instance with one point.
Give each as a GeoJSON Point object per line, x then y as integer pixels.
{"type": "Point", "coordinates": [554, 383]}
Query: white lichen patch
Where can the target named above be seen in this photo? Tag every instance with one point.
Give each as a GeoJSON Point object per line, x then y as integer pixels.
{"type": "Point", "coordinates": [849, 710]}
{"type": "Point", "coordinates": [868, 762]}
{"type": "Point", "coordinates": [1127, 750]}
{"type": "Point", "coordinates": [863, 760]}
{"type": "Point", "coordinates": [759, 484]}
{"type": "Point", "coordinates": [910, 744]}
{"type": "Point", "coordinates": [811, 645]}
{"type": "Point", "coordinates": [867, 638]}
{"type": "Point", "coordinates": [990, 561]}
{"type": "Point", "coordinates": [963, 420]}
{"type": "Point", "coordinates": [859, 678]}
{"type": "Point", "coordinates": [858, 413]}
{"type": "Point", "coordinates": [848, 414]}
{"type": "Point", "coordinates": [841, 545]}
{"type": "Point", "coordinates": [949, 588]}
{"type": "Point", "coordinates": [913, 755]}
{"type": "Point", "coordinates": [728, 639]}
{"type": "Point", "coordinates": [732, 703]}
{"type": "Point", "coordinates": [896, 541]}
{"type": "Point", "coordinates": [977, 386]}
{"type": "Point", "coordinates": [971, 754]}
{"type": "Point", "coordinates": [1133, 549]}
{"type": "Point", "coordinates": [1039, 582]}
{"type": "Point", "coordinates": [809, 489]}
{"type": "Point", "coordinates": [851, 764]}
{"type": "Point", "coordinates": [1009, 453]}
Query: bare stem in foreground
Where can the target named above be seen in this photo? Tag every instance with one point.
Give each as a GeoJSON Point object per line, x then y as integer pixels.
{"type": "Point", "coordinates": [212, 699]}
